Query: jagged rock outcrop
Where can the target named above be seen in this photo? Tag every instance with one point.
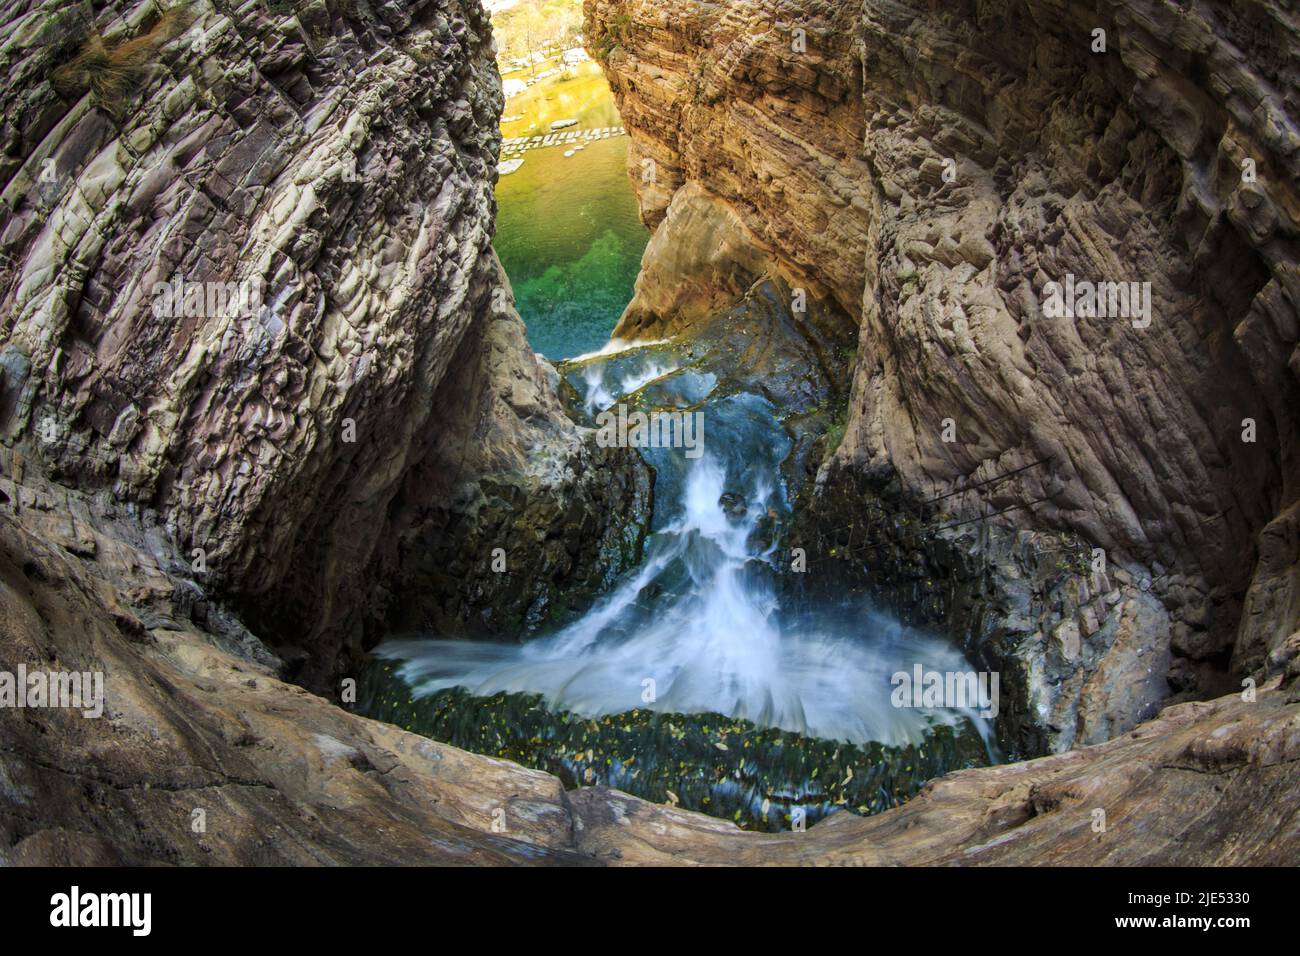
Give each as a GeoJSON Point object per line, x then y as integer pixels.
{"type": "Point", "coordinates": [930, 169]}
{"type": "Point", "coordinates": [512, 528]}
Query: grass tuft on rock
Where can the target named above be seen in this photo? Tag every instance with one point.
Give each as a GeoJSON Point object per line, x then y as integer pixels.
{"type": "Point", "coordinates": [110, 70]}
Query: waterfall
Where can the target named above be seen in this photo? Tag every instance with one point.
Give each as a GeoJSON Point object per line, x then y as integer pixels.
{"type": "Point", "coordinates": [698, 627]}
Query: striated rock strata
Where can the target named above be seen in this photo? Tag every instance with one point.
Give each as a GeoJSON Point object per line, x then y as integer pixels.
{"type": "Point", "coordinates": [329, 171]}
{"type": "Point", "coordinates": [930, 169]}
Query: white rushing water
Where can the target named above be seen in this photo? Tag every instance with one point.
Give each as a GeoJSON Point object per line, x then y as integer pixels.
{"type": "Point", "coordinates": [698, 628]}
{"type": "Point", "coordinates": [600, 396]}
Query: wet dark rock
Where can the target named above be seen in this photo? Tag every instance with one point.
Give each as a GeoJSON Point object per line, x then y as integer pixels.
{"type": "Point", "coordinates": [1021, 603]}
{"type": "Point", "coordinates": [538, 554]}
{"type": "Point", "coordinates": [757, 777]}
{"type": "Point", "coordinates": [733, 504]}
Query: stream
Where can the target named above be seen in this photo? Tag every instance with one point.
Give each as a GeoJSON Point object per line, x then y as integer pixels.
{"type": "Point", "coordinates": [698, 627]}
{"type": "Point", "coordinates": [700, 679]}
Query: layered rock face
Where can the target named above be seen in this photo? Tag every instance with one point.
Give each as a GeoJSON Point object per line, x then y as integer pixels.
{"type": "Point", "coordinates": [246, 264]}
{"type": "Point", "coordinates": [931, 170]}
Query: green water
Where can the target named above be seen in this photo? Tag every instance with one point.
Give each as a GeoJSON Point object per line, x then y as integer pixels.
{"type": "Point", "coordinates": [567, 229]}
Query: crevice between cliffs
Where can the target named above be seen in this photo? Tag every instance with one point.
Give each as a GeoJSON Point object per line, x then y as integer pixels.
{"type": "Point", "coordinates": [852, 238]}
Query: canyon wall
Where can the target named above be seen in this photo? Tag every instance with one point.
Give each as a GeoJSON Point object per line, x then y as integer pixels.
{"type": "Point", "coordinates": [249, 294]}
{"type": "Point", "coordinates": [930, 168]}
